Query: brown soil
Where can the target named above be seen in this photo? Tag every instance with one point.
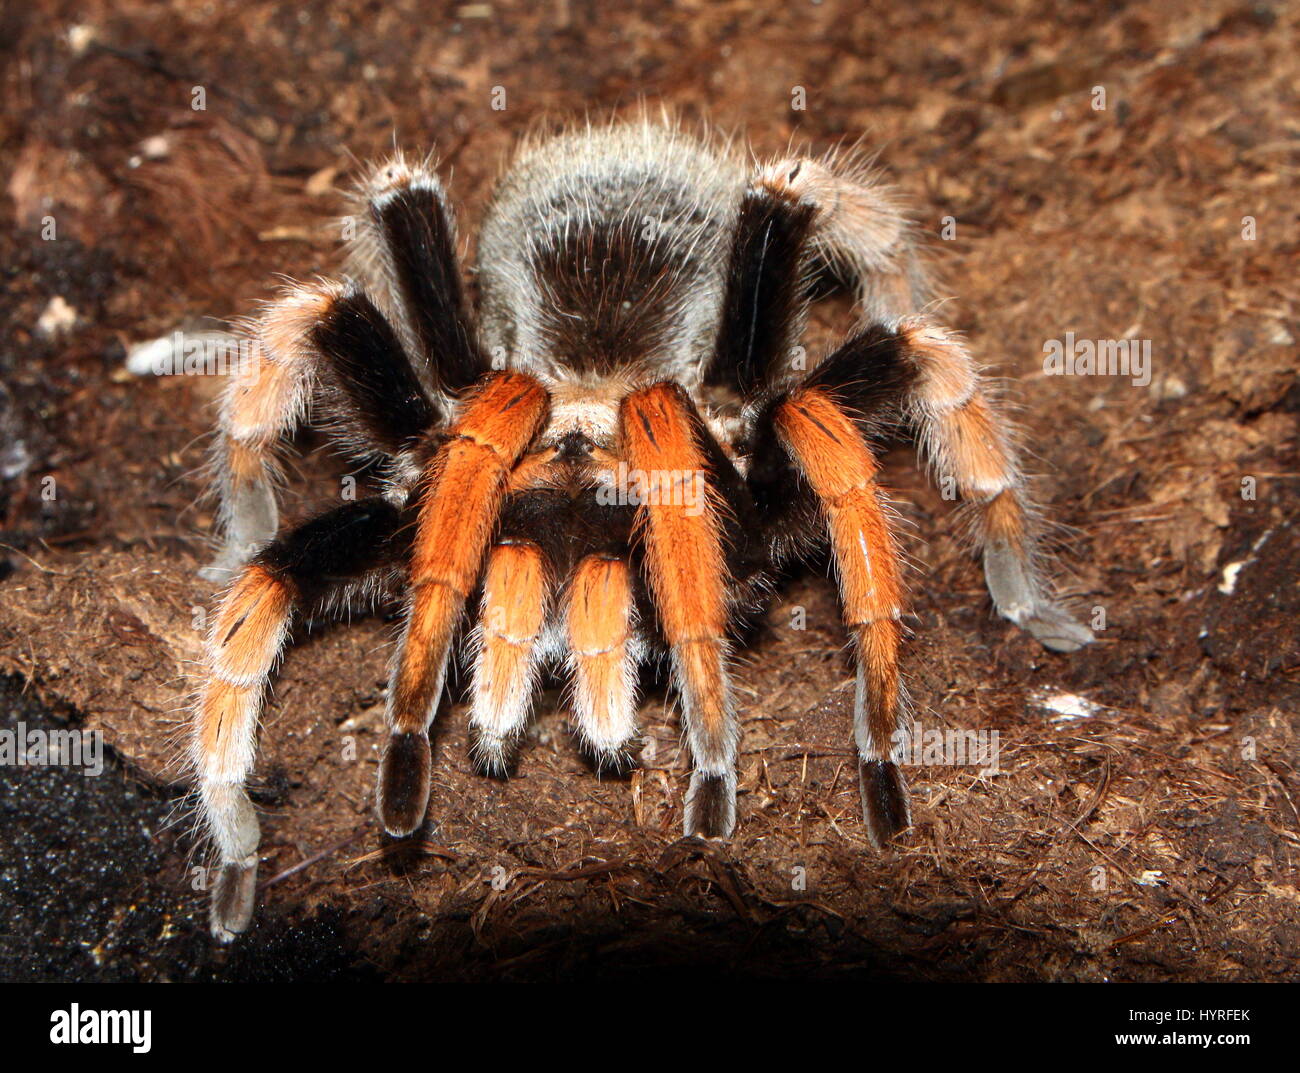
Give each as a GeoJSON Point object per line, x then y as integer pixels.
{"type": "Point", "coordinates": [1154, 838]}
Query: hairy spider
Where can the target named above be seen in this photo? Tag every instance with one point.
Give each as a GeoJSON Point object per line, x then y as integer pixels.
{"type": "Point", "coordinates": [609, 460]}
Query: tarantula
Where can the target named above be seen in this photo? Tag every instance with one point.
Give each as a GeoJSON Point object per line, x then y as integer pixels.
{"type": "Point", "coordinates": [614, 454]}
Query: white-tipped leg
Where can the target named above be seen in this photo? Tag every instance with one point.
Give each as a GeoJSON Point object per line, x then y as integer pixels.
{"type": "Point", "coordinates": [688, 574]}
{"type": "Point", "coordinates": [860, 229]}
{"type": "Point", "coordinates": [604, 655]}
{"type": "Point", "coordinates": [515, 597]}
{"type": "Point", "coordinates": [264, 401]}
{"type": "Point", "coordinates": [234, 828]}
{"type": "Point", "coordinates": [704, 684]}
{"type": "Point", "coordinates": [882, 786]}
{"type": "Point", "coordinates": [245, 641]}
{"type": "Point", "coordinates": [831, 453]}
{"type": "Point", "coordinates": [970, 450]}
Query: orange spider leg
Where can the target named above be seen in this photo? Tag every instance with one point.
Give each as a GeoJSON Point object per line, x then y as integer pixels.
{"type": "Point", "coordinates": [516, 590]}
{"type": "Point", "coordinates": [603, 653]}
{"type": "Point", "coordinates": [465, 487]}
{"type": "Point", "coordinates": [682, 534]}
{"type": "Point", "coordinates": [833, 456]}
{"type": "Point", "coordinates": [243, 645]}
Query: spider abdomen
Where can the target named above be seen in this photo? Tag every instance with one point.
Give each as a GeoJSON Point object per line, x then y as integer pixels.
{"type": "Point", "coordinates": [604, 250]}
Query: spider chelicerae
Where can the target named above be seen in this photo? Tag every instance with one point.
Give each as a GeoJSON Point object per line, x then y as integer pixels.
{"type": "Point", "coordinates": [608, 459]}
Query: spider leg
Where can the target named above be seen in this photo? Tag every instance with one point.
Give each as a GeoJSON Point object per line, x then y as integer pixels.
{"type": "Point", "coordinates": [464, 488]}
{"type": "Point", "coordinates": [969, 444]}
{"type": "Point", "coordinates": [852, 221]}
{"type": "Point", "coordinates": [342, 549]}
{"type": "Point", "coordinates": [372, 396]}
{"type": "Point", "coordinates": [765, 297]}
{"type": "Point", "coordinates": [259, 407]}
{"type": "Point", "coordinates": [604, 652]}
{"type": "Point", "coordinates": [325, 341]}
{"type": "Point", "coordinates": [560, 528]}
{"type": "Point", "coordinates": [406, 247]}
{"type": "Point", "coordinates": [516, 593]}
{"type": "Point", "coordinates": [832, 455]}
{"type": "Point", "coordinates": [682, 533]}
{"type": "Point", "coordinates": [860, 230]}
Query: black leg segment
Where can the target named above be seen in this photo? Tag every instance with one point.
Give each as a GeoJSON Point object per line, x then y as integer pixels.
{"type": "Point", "coordinates": [375, 392]}
{"type": "Point", "coordinates": [417, 229]}
{"type": "Point", "coordinates": [766, 290]}
{"type": "Point", "coordinates": [339, 548]}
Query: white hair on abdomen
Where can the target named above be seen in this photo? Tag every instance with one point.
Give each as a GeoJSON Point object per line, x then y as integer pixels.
{"type": "Point", "coordinates": [640, 172]}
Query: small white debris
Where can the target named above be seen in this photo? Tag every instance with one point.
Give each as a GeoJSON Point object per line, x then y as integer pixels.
{"type": "Point", "coordinates": [370, 717]}
{"type": "Point", "coordinates": [58, 319]}
{"type": "Point", "coordinates": [81, 37]}
{"type": "Point", "coordinates": [1066, 706]}
{"type": "Point", "coordinates": [1152, 878]}
{"type": "Point", "coordinates": [155, 147]}
{"type": "Point", "coordinates": [150, 358]}
{"type": "Point", "coordinates": [1229, 583]}
{"type": "Point", "coordinates": [1171, 387]}
{"type": "Point", "coordinates": [193, 353]}
{"type": "Point", "coordinates": [15, 460]}
{"type": "Point", "coordinates": [1230, 572]}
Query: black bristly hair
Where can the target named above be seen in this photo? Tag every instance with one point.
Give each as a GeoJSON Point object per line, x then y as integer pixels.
{"type": "Point", "coordinates": [870, 376]}
{"type": "Point", "coordinates": [604, 293]}
{"type": "Point", "coordinates": [567, 526]}
{"type": "Point", "coordinates": [377, 394]}
{"type": "Point", "coordinates": [421, 238]}
{"type": "Point", "coordinates": [748, 557]}
{"type": "Point", "coordinates": [339, 548]}
{"type": "Point", "coordinates": [765, 291]}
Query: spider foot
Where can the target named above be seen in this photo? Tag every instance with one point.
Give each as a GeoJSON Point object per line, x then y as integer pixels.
{"type": "Point", "coordinates": [884, 800]}
{"type": "Point", "coordinates": [711, 806]}
{"type": "Point", "coordinates": [492, 753]}
{"type": "Point", "coordinates": [404, 783]}
{"type": "Point", "coordinates": [232, 898]}
{"type": "Point", "coordinates": [1055, 629]}
{"type": "Point", "coordinates": [1018, 597]}
{"type": "Point", "coordinates": [228, 563]}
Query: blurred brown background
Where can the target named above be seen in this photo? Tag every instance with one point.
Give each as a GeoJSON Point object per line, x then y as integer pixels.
{"type": "Point", "coordinates": [1144, 823]}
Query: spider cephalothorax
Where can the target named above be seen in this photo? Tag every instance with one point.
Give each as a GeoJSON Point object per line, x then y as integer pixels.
{"type": "Point", "coordinates": [610, 458]}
